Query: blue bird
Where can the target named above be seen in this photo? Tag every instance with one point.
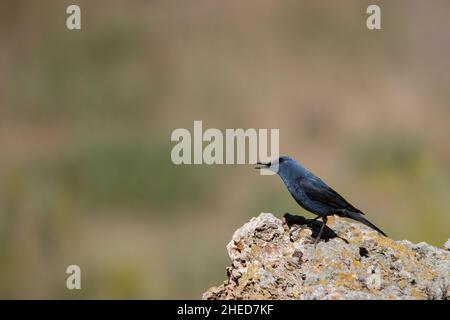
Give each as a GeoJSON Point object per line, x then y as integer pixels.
{"type": "Point", "coordinates": [312, 194]}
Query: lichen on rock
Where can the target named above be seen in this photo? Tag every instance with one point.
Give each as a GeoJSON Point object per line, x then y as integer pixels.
{"type": "Point", "coordinates": [275, 259]}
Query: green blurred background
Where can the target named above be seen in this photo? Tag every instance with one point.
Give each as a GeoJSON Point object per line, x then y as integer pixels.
{"type": "Point", "coordinates": [86, 118]}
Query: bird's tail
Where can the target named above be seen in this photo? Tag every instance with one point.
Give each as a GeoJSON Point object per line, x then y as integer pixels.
{"type": "Point", "coordinates": [359, 217]}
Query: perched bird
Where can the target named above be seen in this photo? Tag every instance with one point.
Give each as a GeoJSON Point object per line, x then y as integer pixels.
{"type": "Point", "coordinates": [312, 194]}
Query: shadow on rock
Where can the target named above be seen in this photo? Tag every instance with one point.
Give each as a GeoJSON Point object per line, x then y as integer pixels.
{"type": "Point", "coordinates": [313, 225]}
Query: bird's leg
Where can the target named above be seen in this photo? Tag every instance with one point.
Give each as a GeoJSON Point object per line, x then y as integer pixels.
{"type": "Point", "coordinates": [324, 222]}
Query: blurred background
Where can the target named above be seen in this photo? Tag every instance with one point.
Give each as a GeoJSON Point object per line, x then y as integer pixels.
{"type": "Point", "coordinates": [86, 117]}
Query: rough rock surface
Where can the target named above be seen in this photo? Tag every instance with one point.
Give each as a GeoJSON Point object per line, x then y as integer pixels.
{"type": "Point", "coordinates": [275, 259]}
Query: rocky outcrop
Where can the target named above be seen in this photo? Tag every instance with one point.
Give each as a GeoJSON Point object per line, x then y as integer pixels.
{"type": "Point", "coordinates": [275, 259]}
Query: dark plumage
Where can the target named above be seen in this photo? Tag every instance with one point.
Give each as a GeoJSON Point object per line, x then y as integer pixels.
{"type": "Point", "coordinates": [314, 195]}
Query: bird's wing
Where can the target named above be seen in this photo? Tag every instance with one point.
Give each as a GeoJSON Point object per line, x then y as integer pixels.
{"type": "Point", "coordinates": [319, 191]}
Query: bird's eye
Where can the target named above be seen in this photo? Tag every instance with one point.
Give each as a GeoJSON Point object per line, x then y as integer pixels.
{"type": "Point", "coordinates": [280, 160]}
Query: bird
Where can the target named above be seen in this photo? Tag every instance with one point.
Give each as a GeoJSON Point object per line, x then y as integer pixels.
{"type": "Point", "coordinates": [313, 194]}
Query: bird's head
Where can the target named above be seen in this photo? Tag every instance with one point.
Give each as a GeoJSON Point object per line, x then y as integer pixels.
{"type": "Point", "coordinates": [284, 166]}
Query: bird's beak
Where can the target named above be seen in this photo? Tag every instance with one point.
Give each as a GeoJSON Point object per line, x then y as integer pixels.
{"type": "Point", "coordinates": [260, 165]}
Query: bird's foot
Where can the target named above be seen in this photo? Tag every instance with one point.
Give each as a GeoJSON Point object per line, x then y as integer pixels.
{"type": "Point", "coordinates": [326, 233]}
{"type": "Point", "coordinates": [324, 222]}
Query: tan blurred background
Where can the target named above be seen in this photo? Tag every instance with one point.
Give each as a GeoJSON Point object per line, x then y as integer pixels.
{"type": "Point", "coordinates": [86, 117]}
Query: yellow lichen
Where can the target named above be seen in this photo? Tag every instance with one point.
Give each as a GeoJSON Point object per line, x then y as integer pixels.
{"type": "Point", "coordinates": [418, 294]}
{"type": "Point", "coordinates": [305, 233]}
{"type": "Point", "coordinates": [356, 263]}
{"type": "Point", "coordinates": [389, 243]}
{"type": "Point", "coordinates": [402, 284]}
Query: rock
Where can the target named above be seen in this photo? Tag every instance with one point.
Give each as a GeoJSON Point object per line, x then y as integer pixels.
{"type": "Point", "coordinates": [447, 244]}
{"type": "Point", "coordinates": [275, 259]}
